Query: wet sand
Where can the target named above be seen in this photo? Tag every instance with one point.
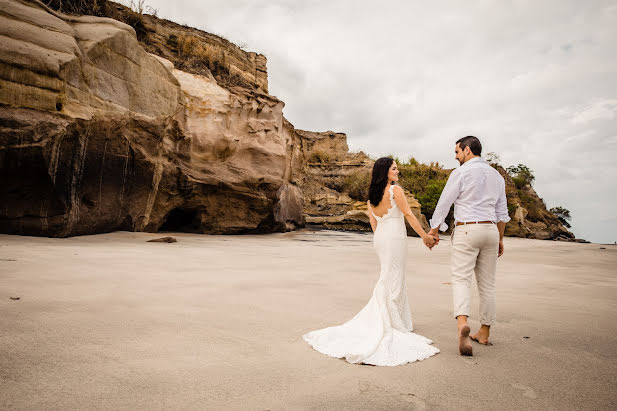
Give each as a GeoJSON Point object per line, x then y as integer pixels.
{"type": "Point", "coordinates": [215, 322]}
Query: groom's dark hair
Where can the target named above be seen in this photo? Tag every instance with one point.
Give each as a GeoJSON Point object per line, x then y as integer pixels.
{"type": "Point", "coordinates": [472, 142]}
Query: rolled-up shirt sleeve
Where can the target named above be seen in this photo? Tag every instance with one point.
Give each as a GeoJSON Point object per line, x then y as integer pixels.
{"type": "Point", "coordinates": [450, 192]}
{"type": "Point", "coordinates": [501, 207]}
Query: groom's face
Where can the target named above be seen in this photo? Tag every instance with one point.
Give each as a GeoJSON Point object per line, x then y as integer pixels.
{"type": "Point", "coordinates": [462, 155]}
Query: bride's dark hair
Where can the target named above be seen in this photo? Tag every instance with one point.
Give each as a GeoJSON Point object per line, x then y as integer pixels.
{"type": "Point", "coordinates": [379, 179]}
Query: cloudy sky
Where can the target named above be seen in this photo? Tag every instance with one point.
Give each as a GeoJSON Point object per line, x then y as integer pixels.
{"type": "Point", "coordinates": [535, 81]}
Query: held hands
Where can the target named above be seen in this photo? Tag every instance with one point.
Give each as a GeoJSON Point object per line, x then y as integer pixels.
{"type": "Point", "coordinates": [432, 238]}
{"type": "Point", "coordinates": [430, 241]}
{"type": "Point", "coordinates": [434, 232]}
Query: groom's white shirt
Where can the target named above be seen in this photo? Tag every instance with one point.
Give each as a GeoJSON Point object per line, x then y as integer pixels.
{"type": "Point", "coordinates": [478, 193]}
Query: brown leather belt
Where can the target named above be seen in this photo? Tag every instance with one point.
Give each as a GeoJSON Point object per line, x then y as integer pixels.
{"type": "Point", "coordinates": [475, 222]}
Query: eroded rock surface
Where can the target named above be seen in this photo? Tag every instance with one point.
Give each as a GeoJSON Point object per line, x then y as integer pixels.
{"type": "Point", "coordinates": [328, 164]}
{"type": "Point", "coordinates": [99, 135]}
{"type": "Point", "coordinates": [79, 66]}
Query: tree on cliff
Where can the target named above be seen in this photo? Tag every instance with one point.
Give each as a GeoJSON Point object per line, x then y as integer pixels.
{"type": "Point", "coordinates": [562, 214]}
{"type": "Point", "coordinates": [521, 175]}
{"type": "Point", "coordinates": [493, 159]}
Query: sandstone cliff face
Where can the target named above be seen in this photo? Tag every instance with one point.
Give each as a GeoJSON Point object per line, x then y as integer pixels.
{"type": "Point", "coordinates": [99, 135]}
{"type": "Point", "coordinates": [79, 66]}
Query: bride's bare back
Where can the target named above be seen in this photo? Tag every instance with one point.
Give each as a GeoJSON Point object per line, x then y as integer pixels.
{"type": "Point", "coordinates": [384, 205]}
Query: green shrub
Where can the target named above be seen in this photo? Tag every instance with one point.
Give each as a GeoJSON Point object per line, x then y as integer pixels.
{"type": "Point", "coordinates": [416, 177]}
{"type": "Point", "coordinates": [521, 174]}
{"type": "Point", "coordinates": [356, 185]}
{"type": "Point", "coordinates": [519, 182]}
{"type": "Point", "coordinates": [429, 198]}
{"type": "Point", "coordinates": [511, 209]}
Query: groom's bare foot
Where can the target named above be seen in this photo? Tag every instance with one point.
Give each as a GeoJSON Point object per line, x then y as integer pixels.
{"type": "Point", "coordinates": [464, 345]}
{"type": "Point", "coordinates": [481, 336]}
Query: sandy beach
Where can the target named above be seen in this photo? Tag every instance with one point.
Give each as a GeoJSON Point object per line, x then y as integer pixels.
{"type": "Point", "coordinates": [215, 322]}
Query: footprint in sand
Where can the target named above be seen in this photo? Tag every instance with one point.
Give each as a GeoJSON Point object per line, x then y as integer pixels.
{"type": "Point", "coordinates": [364, 386]}
{"type": "Point", "coordinates": [529, 392]}
{"type": "Point", "coordinates": [416, 403]}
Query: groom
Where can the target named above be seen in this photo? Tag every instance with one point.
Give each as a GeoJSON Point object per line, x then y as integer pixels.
{"type": "Point", "coordinates": [480, 213]}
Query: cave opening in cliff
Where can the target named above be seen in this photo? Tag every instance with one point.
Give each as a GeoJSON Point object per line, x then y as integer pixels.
{"type": "Point", "coordinates": [183, 220]}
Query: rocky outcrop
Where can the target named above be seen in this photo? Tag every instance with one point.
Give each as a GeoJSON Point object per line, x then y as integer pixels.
{"type": "Point", "coordinates": [99, 135]}
{"type": "Point", "coordinates": [529, 215]}
{"type": "Point", "coordinates": [328, 165]}
{"type": "Point", "coordinates": [329, 145]}
{"type": "Point", "coordinates": [350, 215]}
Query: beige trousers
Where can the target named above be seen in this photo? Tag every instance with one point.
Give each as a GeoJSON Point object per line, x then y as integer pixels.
{"type": "Point", "coordinates": [474, 250]}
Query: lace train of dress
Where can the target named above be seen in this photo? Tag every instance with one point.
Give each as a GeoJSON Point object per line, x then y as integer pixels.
{"type": "Point", "coordinates": [380, 334]}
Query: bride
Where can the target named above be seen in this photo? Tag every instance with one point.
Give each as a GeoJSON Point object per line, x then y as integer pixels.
{"type": "Point", "coordinates": [380, 334]}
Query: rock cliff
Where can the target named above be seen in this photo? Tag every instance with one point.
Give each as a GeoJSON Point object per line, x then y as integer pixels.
{"type": "Point", "coordinates": [123, 121]}
{"type": "Point", "coordinates": [529, 215]}
{"type": "Point", "coordinates": [99, 135]}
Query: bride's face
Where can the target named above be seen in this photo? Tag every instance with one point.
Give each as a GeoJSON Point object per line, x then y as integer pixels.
{"type": "Point", "coordinates": [393, 172]}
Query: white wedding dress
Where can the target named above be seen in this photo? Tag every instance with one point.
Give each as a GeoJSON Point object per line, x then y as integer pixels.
{"type": "Point", "coordinates": [380, 334]}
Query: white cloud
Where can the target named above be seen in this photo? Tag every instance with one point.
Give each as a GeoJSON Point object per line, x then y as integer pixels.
{"type": "Point", "coordinates": [536, 81]}
{"type": "Point", "coordinates": [603, 109]}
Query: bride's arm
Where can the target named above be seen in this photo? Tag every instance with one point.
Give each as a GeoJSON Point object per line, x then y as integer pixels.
{"type": "Point", "coordinates": [403, 205]}
{"type": "Point", "coordinates": [370, 216]}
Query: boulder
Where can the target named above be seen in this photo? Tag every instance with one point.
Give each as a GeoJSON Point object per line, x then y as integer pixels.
{"type": "Point", "coordinates": [353, 220]}
{"type": "Point", "coordinates": [288, 209]}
